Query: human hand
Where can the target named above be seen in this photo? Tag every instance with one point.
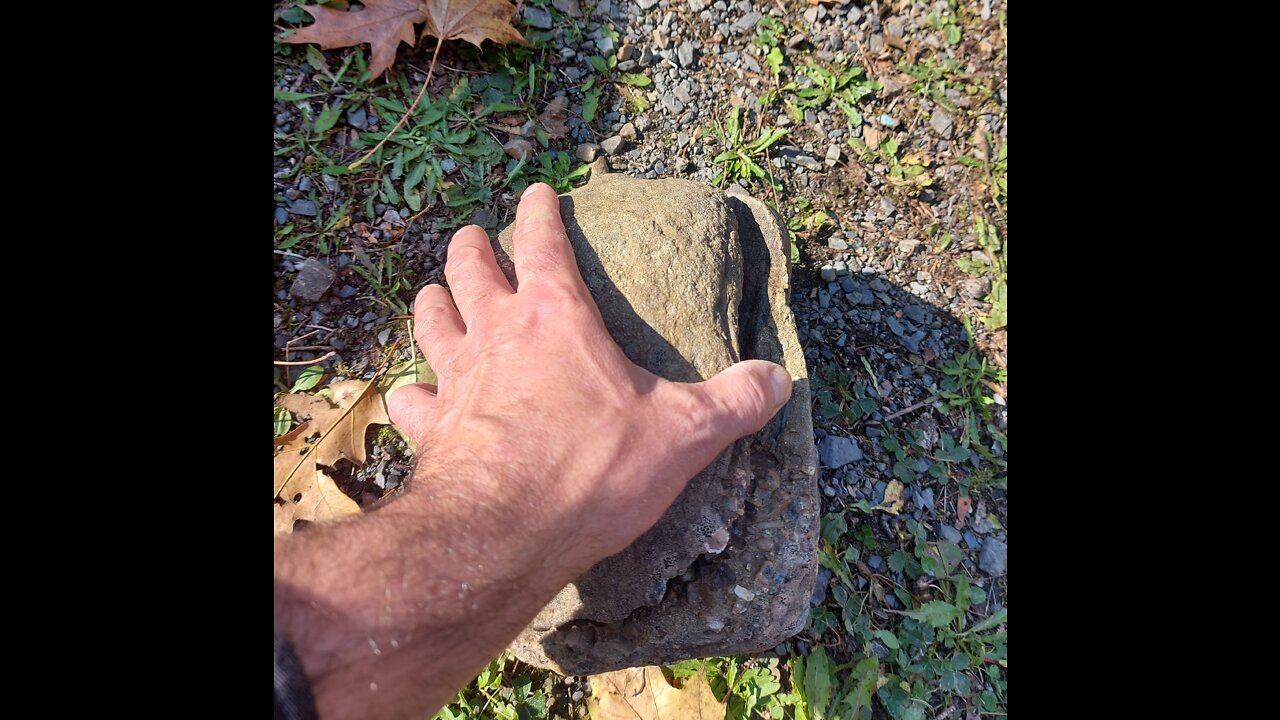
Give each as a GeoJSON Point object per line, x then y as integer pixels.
{"type": "Point", "coordinates": [539, 418]}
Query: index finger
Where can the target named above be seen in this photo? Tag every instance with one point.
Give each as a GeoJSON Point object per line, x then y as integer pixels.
{"type": "Point", "coordinates": [543, 253]}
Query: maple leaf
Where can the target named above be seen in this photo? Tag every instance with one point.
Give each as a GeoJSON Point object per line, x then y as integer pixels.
{"type": "Point", "coordinates": [337, 424]}
{"type": "Point", "coordinates": [644, 694]}
{"type": "Point", "coordinates": [384, 24]}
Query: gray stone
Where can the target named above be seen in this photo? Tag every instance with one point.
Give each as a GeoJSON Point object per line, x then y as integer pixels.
{"type": "Point", "coordinates": [587, 152]}
{"type": "Point", "coordinates": [647, 4]}
{"type": "Point", "coordinates": [684, 54]}
{"type": "Point", "coordinates": [994, 558]}
{"type": "Point", "coordinates": [748, 21]}
{"type": "Point", "coordinates": [942, 123]}
{"type": "Point", "coordinates": [357, 119]}
{"type": "Point", "coordinates": [722, 297]}
{"type": "Point", "coordinates": [304, 185]}
{"type": "Point", "coordinates": [827, 273]}
{"type": "Point", "coordinates": [847, 285]}
{"type": "Point", "coordinates": [950, 534]}
{"type": "Point", "coordinates": [971, 540]}
{"type": "Point", "coordinates": [836, 452]}
{"type": "Point", "coordinates": [314, 277]}
{"type": "Point", "coordinates": [670, 102]}
{"type": "Point", "coordinates": [347, 291]}
{"type": "Point", "coordinates": [796, 156]}
{"type": "Point", "coordinates": [282, 216]}
{"type": "Point", "coordinates": [833, 155]}
{"type": "Point", "coordinates": [908, 247]}
{"type": "Point", "coordinates": [894, 326]}
{"type": "Point", "coordinates": [837, 244]}
{"type": "Point", "coordinates": [303, 207]}
{"type": "Point", "coordinates": [915, 312]}
{"type": "Point", "coordinates": [537, 17]}
{"type": "Point", "coordinates": [613, 145]}
{"type": "Point", "coordinates": [912, 341]}
{"type": "Point", "coordinates": [875, 562]}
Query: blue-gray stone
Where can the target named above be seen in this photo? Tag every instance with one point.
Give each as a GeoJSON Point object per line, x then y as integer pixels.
{"type": "Point", "coordinates": [303, 207]}
{"type": "Point", "coordinates": [836, 452]}
{"type": "Point", "coordinates": [924, 498]}
{"type": "Point", "coordinates": [282, 216]}
{"type": "Point", "coordinates": [357, 119]}
{"type": "Point", "coordinates": [847, 285]}
{"type": "Point", "coordinates": [874, 562]}
{"type": "Point", "coordinates": [950, 534]}
{"type": "Point", "coordinates": [894, 326]}
{"type": "Point", "coordinates": [912, 341]}
{"type": "Point", "coordinates": [537, 17]}
{"type": "Point", "coordinates": [915, 312]}
{"type": "Point", "coordinates": [971, 540]}
{"type": "Point", "coordinates": [994, 557]}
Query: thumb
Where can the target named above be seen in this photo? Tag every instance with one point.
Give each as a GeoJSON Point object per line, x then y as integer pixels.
{"type": "Point", "coordinates": [411, 407]}
{"type": "Point", "coordinates": [746, 395]}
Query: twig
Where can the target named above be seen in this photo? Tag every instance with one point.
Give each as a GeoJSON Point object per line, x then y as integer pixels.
{"type": "Point", "coordinates": [301, 337]}
{"type": "Point", "coordinates": [407, 113]}
{"type": "Point", "coordinates": [320, 359]}
{"type": "Point", "coordinates": [913, 408]}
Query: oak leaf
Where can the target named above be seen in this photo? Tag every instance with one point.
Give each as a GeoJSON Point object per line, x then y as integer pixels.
{"type": "Point", "coordinates": [553, 117]}
{"type": "Point", "coordinates": [384, 24]}
{"type": "Point", "coordinates": [644, 694]}
{"type": "Point", "coordinates": [334, 431]}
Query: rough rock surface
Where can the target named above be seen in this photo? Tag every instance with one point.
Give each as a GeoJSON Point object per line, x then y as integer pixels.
{"type": "Point", "coordinates": [689, 280]}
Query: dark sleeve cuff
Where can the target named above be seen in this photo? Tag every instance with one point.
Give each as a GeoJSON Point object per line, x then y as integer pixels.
{"type": "Point", "coordinates": [293, 692]}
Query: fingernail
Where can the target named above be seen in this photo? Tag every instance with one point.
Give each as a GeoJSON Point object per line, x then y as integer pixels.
{"type": "Point", "coordinates": [528, 190]}
{"type": "Point", "coordinates": [781, 380]}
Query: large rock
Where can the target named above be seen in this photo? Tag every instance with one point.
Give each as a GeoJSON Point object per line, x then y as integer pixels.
{"type": "Point", "coordinates": [690, 280]}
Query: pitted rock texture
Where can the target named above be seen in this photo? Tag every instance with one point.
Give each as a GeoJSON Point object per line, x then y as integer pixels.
{"type": "Point", "coordinates": [690, 280]}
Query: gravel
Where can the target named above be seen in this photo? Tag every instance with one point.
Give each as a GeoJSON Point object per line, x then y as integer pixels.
{"type": "Point", "coordinates": [305, 208]}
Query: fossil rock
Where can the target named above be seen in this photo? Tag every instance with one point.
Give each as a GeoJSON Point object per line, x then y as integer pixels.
{"type": "Point", "coordinates": [690, 280]}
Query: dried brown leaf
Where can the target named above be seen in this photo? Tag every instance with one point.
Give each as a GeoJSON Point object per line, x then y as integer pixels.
{"type": "Point", "coordinates": [337, 428]}
{"type": "Point", "coordinates": [963, 505]}
{"type": "Point", "coordinates": [384, 24]}
{"type": "Point", "coordinates": [553, 117]}
{"type": "Point", "coordinates": [518, 149]}
{"type": "Point", "coordinates": [472, 20]}
{"type": "Point", "coordinates": [644, 694]}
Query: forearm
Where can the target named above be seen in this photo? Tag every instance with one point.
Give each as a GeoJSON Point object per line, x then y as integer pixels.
{"type": "Point", "coordinates": [392, 612]}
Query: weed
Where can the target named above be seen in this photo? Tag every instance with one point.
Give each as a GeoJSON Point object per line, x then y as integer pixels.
{"type": "Point", "coordinates": [737, 160]}
{"type": "Point", "coordinates": [807, 220]}
{"type": "Point", "coordinates": [996, 249]}
{"type": "Point", "coordinates": [966, 385]}
{"type": "Point", "coordinates": [845, 87]}
{"type": "Point", "coordinates": [387, 276]}
{"type": "Point", "coordinates": [558, 171]}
